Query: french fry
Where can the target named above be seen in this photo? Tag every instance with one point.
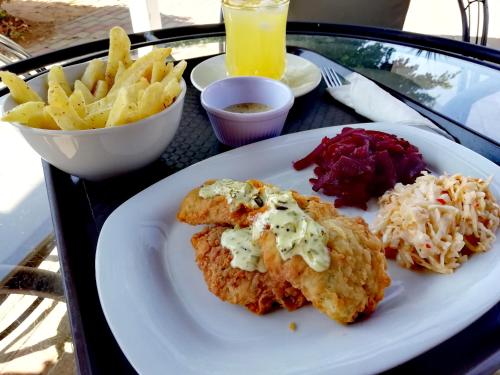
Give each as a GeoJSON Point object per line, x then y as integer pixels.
{"type": "Point", "coordinates": [123, 109]}
{"type": "Point", "coordinates": [170, 92]}
{"type": "Point", "coordinates": [98, 105]}
{"type": "Point", "coordinates": [49, 121]}
{"type": "Point", "coordinates": [101, 89]}
{"type": "Point", "coordinates": [19, 90]}
{"type": "Point", "coordinates": [119, 51]}
{"type": "Point", "coordinates": [56, 75]}
{"type": "Point", "coordinates": [107, 101]}
{"type": "Point", "coordinates": [63, 113]}
{"type": "Point", "coordinates": [151, 101]}
{"type": "Point", "coordinates": [179, 69]}
{"type": "Point", "coordinates": [170, 67]}
{"type": "Point", "coordinates": [147, 73]}
{"type": "Point", "coordinates": [121, 69]}
{"type": "Point", "coordinates": [31, 114]}
{"type": "Point", "coordinates": [160, 70]}
{"type": "Point", "coordinates": [133, 90]}
{"type": "Point", "coordinates": [77, 101]}
{"type": "Point", "coordinates": [140, 93]}
{"type": "Point", "coordinates": [104, 103]}
{"type": "Point", "coordinates": [23, 112]}
{"type": "Point", "coordinates": [110, 93]}
{"type": "Point", "coordinates": [138, 68]}
{"type": "Point", "coordinates": [93, 73]}
{"type": "Point", "coordinates": [56, 94]}
{"type": "Point", "coordinates": [87, 95]}
{"type": "Point", "coordinates": [176, 72]}
{"type": "Point", "coordinates": [66, 117]}
{"type": "Point", "coordinates": [97, 119]}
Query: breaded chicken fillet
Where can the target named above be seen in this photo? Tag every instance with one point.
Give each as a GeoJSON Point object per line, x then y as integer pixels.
{"type": "Point", "coordinates": [257, 291]}
{"type": "Point", "coordinates": [195, 210]}
{"type": "Point", "coordinates": [356, 278]}
{"type": "Point", "coordinates": [352, 286]}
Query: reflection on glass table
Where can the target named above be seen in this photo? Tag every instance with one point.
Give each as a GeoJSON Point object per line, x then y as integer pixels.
{"type": "Point", "coordinates": [35, 336]}
{"type": "Point", "coordinates": [466, 92]}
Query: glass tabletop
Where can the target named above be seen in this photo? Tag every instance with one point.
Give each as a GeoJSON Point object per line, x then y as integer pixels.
{"type": "Point", "coordinates": [458, 82]}
{"type": "Point", "coordinates": [463, 91]}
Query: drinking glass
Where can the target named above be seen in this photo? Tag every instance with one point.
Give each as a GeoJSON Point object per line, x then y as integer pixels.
{"type": "Point", "coordinates": [255, 37]}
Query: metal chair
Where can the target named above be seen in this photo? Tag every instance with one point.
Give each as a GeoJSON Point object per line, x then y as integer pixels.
{"type": "Point", "coordinates": [465, 11]}
{"type": "Point", "coordinates": [14, 48]}
{"type": "Point", "coordinates": [11, 52]}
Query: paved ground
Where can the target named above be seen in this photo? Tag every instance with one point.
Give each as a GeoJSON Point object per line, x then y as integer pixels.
{"type": "Point", "coordinates": [93, 26]}
{"type": "Point", "coordinates": [91, 20]}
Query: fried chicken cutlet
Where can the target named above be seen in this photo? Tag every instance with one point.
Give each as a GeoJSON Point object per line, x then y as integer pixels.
{"type": "Point", "coordinates": [195, 210]}
{"type": "Point", "coordinates": [355, 281]}
{"type": "Point", "coordinates": [259, 292]}
{"type": "Point", "coordinates": [305, 245]}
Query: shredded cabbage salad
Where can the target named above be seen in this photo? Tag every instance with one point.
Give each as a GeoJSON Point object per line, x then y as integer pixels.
{"type": "Point", "coordinates": [437, 221]}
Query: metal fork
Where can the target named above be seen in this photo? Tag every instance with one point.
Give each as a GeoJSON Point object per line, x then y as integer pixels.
{"type": "Point", "coordinates": [331, 77]}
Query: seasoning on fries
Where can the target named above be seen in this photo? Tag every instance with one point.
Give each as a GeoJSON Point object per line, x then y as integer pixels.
{"type": "Point", "coordinates": [109, 93]}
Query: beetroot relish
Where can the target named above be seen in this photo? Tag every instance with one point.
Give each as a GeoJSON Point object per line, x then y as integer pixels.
{"type": "Point", "coordinates": [358, 164]}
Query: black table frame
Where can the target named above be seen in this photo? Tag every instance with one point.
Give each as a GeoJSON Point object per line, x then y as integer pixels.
{"type": "Point", "coordinates": [77, 232]}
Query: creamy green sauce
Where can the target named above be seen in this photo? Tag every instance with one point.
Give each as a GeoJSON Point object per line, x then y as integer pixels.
{"type": "Point", "coordinates": [246, 254]}
{"type": "Point", "coordinates": [296, 233]}
{"type": "Point", "coordinates": [236, 192]}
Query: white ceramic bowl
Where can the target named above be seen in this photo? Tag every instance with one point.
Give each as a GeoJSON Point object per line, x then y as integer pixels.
{"type": "Point", "coordinates": [237, 129]}
{"type": "Point", "coordinates": [101, 153]}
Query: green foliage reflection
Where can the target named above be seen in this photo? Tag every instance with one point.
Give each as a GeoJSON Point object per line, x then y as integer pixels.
{"type": "Point", "coordinates": [378, 61]}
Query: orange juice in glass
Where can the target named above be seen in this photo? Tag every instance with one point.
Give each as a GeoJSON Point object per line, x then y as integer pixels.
{"type": "Point", "coordinates": [255, 37]}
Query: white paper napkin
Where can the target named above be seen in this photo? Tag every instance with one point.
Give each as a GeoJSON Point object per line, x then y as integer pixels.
{"type": "Point", "coordinates": [369, 100]}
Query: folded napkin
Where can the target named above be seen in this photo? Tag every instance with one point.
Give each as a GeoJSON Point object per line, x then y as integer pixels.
{"type": "Point", "coordinates": [369, 100]}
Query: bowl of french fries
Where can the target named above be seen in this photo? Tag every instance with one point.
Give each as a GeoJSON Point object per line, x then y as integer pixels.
{"type": "Point", "coordinates": [101, 118]}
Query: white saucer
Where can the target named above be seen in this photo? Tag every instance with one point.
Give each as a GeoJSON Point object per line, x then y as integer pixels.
{"type": "Point", "coordinates": [301, 75]}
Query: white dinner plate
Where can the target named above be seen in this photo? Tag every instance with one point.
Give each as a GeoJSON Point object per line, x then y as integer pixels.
{"type": "Point", "coordinates": [301, 75]}
{"type": "Point", "coordinates": [167, 322]}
